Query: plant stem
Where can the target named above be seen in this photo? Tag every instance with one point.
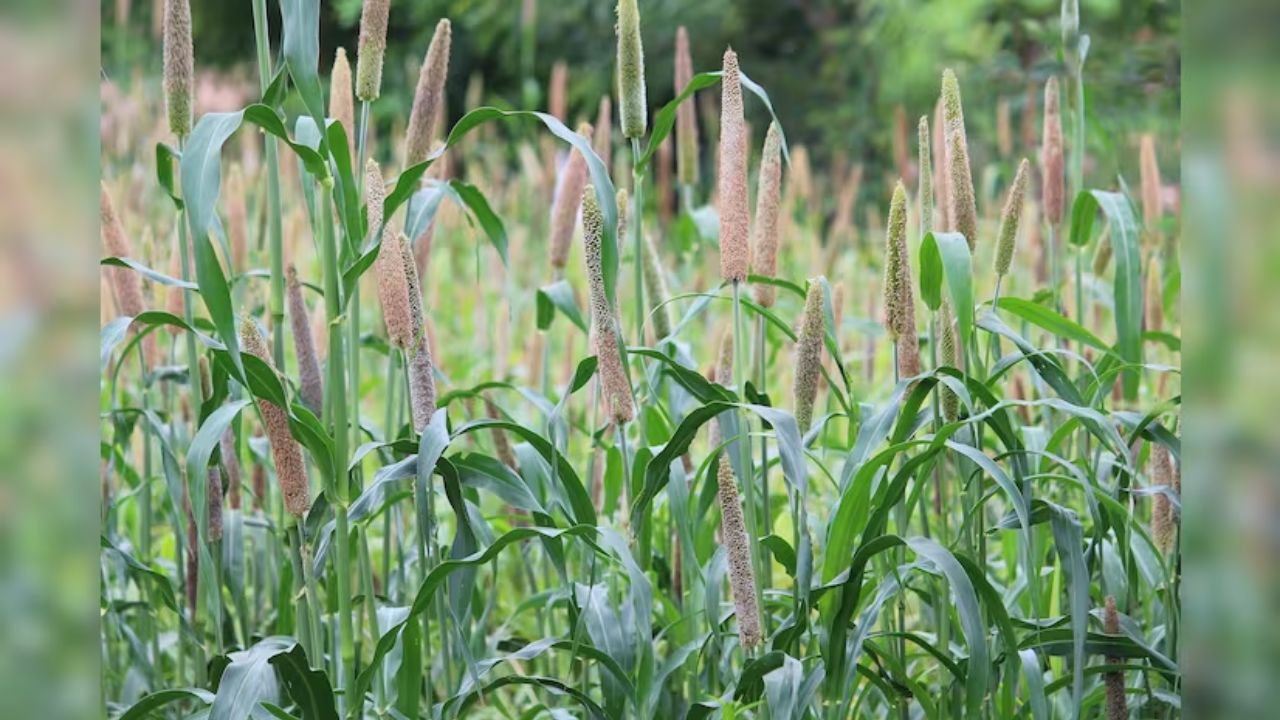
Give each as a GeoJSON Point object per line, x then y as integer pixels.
{"type": "Point", "coordinates": [275, 231]}
{"type": "Point", "coordinates": [635, 223]}
{"type": "Point", "coordinates": [765, 557]}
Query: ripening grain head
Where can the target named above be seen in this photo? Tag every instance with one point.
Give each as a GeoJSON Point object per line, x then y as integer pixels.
{"type": "Point", "coordinates": [179, 65]}
{"type": "Point", "coordinates": [899, 303]}
{"type": "Point", "coordinates": [962, 204]}
{"type": "Point", "coordinates": [1154, 303]}
{"type": "Point", "coordinates": [1162, 523]}
{"type": "Point", "coordinates": [303, 344]}
{"type": "Point", "coordinates": [413, 284]}
{"type": "Point", "coordinates": [1010, 219]}
{"type": "Point", "coordinates": [564, 210]}
{"type": "Point", "coordinates": [949, 349]}
{"type": "Point", "coordinates": [809, 355]}
{"type": "Point", "coordinates": [1117, 704]}
{"type": "Point", "coordinates": [631, 90]}
{"type": "Point", "coordinates": [393, 293]}
{"type": "Point", "coordinates": [214, 497]}
{"type": "Point", "coordinates": [231, 466]}
{"type": "Point", "coordinates": [742, 581]}
{"type": "Point", "coordinates": [285, 450]}
{"type": "Point", "coordinates": [925, 171]}
{"type": "Point", "coordinates": [655, 287]}
{"type": "Point", "coordinates": [1051, 157]}
{"type": "Point", "coordinates": [686, 114]}
{"type": "Point", "coordinates": [613, 376]}
{"type": "Point", "coordinates": [735, 219]}
{"type": "Point", "coordinates": [373, 46]}
{"type": "Point", "coordinates": [429, 95]}
{"type": "Point", "coordinates": [952, 106]}
{"type": "Point", "coordinates": [558, 90]}
{"type": "Point", "coordinates": [341, 105]}
{"type": "Point", "coordinates": [124, 282]}
{"type": "Point", "coordinates": [602, 141]}
{"type": "Point", "coordinates": [768, 195]}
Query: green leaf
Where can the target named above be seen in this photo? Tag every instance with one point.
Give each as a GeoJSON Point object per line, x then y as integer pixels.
{"type": "Point", "coordinates": [309, 689]}
{"type": "Point", "coordinates": [249, 679]}
{"type": "Point", "coordinates": [558, 296]}
{"type": "Point", "coordinates": [665, 119]}
{"type": "Point", "coordinates": [301, 47]}
{"type": "Point", "coordinates": [156, 700]}
{"type": "Point", "coordinates": [1047, 319]}
{"type": "Point", "coordinates": [1127, 286]}
{"type": "Point", "coordinates": [1083, 213]}
{"type": "Point", "coordinates": [474, 200]}
{"type": "Point", "coordinates": [148, 273]}
{"type": "Point", "coordinates": [944, 257]}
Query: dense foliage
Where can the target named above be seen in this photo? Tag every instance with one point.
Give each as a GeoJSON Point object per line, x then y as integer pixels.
{"type": "Point", "coordinates": [530, 420]}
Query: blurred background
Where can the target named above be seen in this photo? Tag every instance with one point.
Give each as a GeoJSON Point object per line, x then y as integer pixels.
{"type": "Point", "coordinates": [839, 72]}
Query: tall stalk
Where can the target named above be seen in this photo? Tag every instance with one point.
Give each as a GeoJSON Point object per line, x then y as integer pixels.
{"type": "Point", "coordinates": [275, 230]}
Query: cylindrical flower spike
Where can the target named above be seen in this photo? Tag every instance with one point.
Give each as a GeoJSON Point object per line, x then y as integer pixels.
{"type": "Point", "coordinates": [925, 176]}
{"type": "Point", "coordinates": [231, 465]}
{"type": "Point", "coordinates": [1154, 304]}
{"type": "Point", "coordinates": [764, 244]}
{"type": "Point", "coordinates": [631, 90]}
{"type": "Point", "coordinates": [655, 288]}
{"type": "Point", "coordinates": [809, 355]}
{"type": "Point", "coordinates": [564, 210]}
{"type": "Point", "coordinates": [1010, 219]}
{"type": "Point", "coordinates": [393, 293]}
{"type": "Point", "coordinates": [1051, 157]}
{"type": "Point", "coordinates": [1117, 703]}
{"type": "Point", "coordinates": [179, 65]}
{"type": "Point", "coordinates": [613, 376]}
{"type": "Point", "coordinates": [342, 106]}
{"type": "Point", "coordinates": [742, 579]}
{"type": "Point", "coordinates": [124, 281]}
{"type": "Point", "coordinates": [686, 114]}
{"type": "Point", "coordinates": [214, 498]}
{"type": "Point", "coordinates": [304, 345]}
{"type": "Point", "coordinates": [735, 219]}
{"type": "Point", "coordinates": [429, 95]}
{"type": "Point", "coordinates": [501, 443]}
{"type": "Point", "coordinates": [962, 205]}
{"type": "Point", "coordinates": [949, 348]}
{"type": "Point", "coordinates": [422, 383]}
{"type": "Point", "coordinates": [1162, 522]}
{"type": "Point", "coordinates": [285, 451]}
{"type": "Point", "coordinates": [558, 90]}
{"type": "Point", "coordinates": [899, 304]}
{"type": "Point", "coordinates": [373, 46]}
{"type": "Point", "coordinates": [602, 139]}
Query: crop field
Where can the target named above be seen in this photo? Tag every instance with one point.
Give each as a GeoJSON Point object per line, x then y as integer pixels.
{"type": "Point", "coordinates": [655, 409]}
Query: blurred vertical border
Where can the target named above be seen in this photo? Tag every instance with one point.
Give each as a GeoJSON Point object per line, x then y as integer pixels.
{"type": "Point", "coordinates": [48, 389]}
{"type": "Point", "coordinates": [1231, 306]}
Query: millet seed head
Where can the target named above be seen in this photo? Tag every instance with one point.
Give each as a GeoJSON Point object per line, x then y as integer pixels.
{"type": "Point", "coordinates": [179, 66]}
{"type": "Point", "coordinates": [631, 89]}
{"type": "Point", "coordinates": [1010, 219]}
{"type": "Point", "coordinates": [285, 450]}
{"type": "Point", "coordinates": [686, 114]}
{"type": "Point", "coordinates": [1051, 156]}
{"type": "Point", "coordinates": [372, 48]}
{"type": "Point", "coordinates": [429, 95]}
{"type": "Point", "coordinates": [613, 376]}
{"type": "Point", "coordinates": [742, 581]}
{"type": "Point", "coordinates": [304, 344]}
{"type": "Point", "coordinates": [925, 174]}
{"type": "Point", "coordinates": [564, 210]}
{"type": "Point", "coordinates": [962, 204]}
{"type": "Point", "coordinates": [764, 244]}
{"type": "Point", "coordinates": [735, 218]}
{"type": "Point", "coordinates": [809, 354]}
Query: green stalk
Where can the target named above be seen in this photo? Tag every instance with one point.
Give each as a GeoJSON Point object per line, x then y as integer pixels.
{"type": "Point", "coordinates": [338, 420]}
{"type": "Point", "coordinates": [305, 626]}
{"type": "Point", "coordinates": [275, 231]}
{"type": "Point", "coordinates": [635, 223]}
